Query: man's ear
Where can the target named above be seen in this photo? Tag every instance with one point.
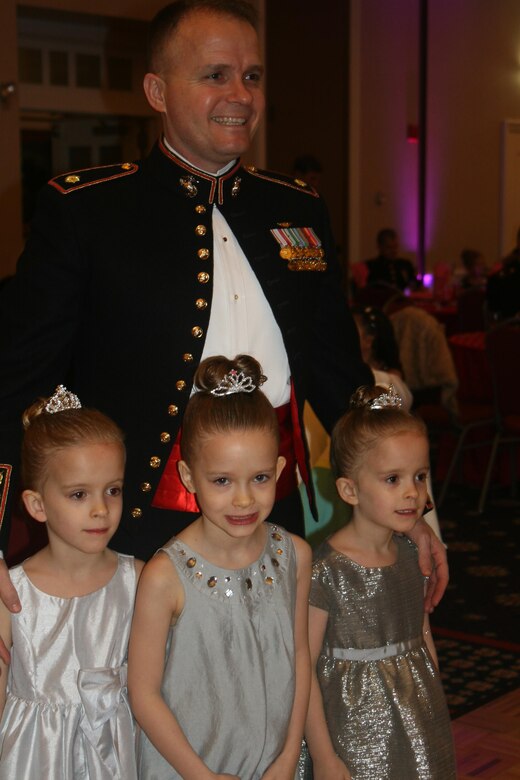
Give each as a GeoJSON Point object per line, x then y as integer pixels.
{"type": "Point", "coordinates": [347, 490]}
{"type": "Point", "coordinates": [185, 475]}
{"type": "Point", "coordinates": [33, 503]}
{"type": "Point", "coordinates": [153, 86]}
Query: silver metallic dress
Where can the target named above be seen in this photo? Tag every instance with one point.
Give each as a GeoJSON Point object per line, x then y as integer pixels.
{"type": "Point", "coordinates": [67, 716]}
{"type": "Point", "coordinates": [384, 702]}
{"type": "Point", "coordinates": [229, 673]}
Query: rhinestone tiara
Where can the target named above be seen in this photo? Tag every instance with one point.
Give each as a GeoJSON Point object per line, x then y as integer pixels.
{"type": "Point", "coordinates": [234, 382]}
{"type": "Point", "coordinates": [386, 400]}
{"type": "Point", "coordinates": [61, 400]}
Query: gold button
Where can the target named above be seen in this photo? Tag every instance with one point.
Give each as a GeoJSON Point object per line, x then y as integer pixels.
{"type": "Point", "coordinates": [190, 563]}
{"type": "Point", "coordinates": [212, 582]}
{"type": "Point", "coordinates": [180, 384]}
{"type": "Point", "coordinates": [72, 179]}
{"type": "Point", "coordinates": [145, 487]}
{"type": "Point", "coordinates": [200, 209]}
{"type": "Point", "coordinates": [197, 332]}
{"type": "Point", "coordinates": [173, 410]}
{"type": "Point", "coordinates": [165, 437]}
{"type": "Point", "coordinates": [268, 580]}
{"type": "Point", "coordinates": [201, 303]}
{"type": "Point", "coordinates": [201, 230]}
{"type": "Point", "coordinates": [203, 277]}
{"type": "Point", "coordinates": [126, 166]}
{"type": "Point", "coordinates": [136, 512]}
{"type": "Point", "coordinates": [187, 357]}
{"type": "Point", "coordinates": [203, 254]}
{"type": "Point", "coordinates": [155, 462]}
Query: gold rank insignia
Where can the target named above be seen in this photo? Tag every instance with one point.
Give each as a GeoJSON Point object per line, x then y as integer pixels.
{"type": "Point", "coordinates": [301, 247]}
{"type": "Point", "coordinates": [78, 180]}
{"type": "Point", "coordinates": [5, 478]}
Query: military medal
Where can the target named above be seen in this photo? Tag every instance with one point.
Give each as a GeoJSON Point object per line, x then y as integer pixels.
{"type": "Point", "coordinates": [301, 247]}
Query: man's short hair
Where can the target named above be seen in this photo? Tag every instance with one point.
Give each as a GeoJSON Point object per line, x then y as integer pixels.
{"type": "Point", "coordinates": [163, 25]}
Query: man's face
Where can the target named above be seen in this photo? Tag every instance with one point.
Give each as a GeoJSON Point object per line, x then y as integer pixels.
{"type": "Point", "coordinates": [209, 90]}
{"type": "Point", "coordinates": [389, 248]}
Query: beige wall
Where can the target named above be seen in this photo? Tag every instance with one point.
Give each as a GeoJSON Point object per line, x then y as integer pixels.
{"type": "Point", "coordinates": [474, 84]}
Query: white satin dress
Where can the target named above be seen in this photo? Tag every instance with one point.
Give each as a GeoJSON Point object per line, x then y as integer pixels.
{"type": "Point", "coordinates": [67, 716]}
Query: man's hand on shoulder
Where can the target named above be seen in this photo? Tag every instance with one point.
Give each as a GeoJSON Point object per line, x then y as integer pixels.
{"type": "Point", "coordinates": [9, 597]}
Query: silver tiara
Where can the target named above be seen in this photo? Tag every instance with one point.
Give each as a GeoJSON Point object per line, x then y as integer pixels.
{"type": "Point", "coordinates": [385, 400]}
{"type": "Point", "coordinates": [235, 382]}
{"type": "Point", "coordinates": [61, 400]}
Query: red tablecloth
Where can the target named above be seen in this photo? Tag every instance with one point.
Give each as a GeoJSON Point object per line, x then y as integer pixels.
{"type": "Point", "coordinates": [471, 363]}
{"type": "Point", "coordinates": [446, 313]}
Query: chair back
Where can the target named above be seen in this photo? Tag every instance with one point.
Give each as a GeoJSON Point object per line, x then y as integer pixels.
{"type": "Point", "coordinates": [503, 351]}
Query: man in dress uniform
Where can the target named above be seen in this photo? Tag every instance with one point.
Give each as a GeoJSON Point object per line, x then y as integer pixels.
{"type": "Point", "coordinates": [133, 273]}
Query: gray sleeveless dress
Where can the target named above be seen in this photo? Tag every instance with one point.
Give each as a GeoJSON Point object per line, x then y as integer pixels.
{"type": "Point", "coordinates": [383, 697]}
{"type": "Point", "coordinates": [67, 716]}
{"type": "Point", "coordinates": [229, 670]}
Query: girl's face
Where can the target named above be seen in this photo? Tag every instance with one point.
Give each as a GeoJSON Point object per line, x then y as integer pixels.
{"type": "Point", "coordinates": [389, 489]}
{"type": "Point", "coordinates": [81, 496]}
{"type": "Point", "coordinates": [234, 477]}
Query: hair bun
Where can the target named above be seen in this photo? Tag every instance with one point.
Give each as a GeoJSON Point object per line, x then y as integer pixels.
{"type": "Point", "coordinates": [33, 411]}
{"type": "Point", "coordinates": [213, 370]}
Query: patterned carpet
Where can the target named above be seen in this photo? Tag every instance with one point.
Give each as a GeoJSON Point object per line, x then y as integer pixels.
{"type": "Point", "coordinates": [476, 626]}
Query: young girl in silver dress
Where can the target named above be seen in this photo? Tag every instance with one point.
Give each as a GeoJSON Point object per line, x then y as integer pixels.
{"type": "Point", "coordinates": [218, 659]}
{"type": "Point", "coordinates": [65, 709]}
{"type": "Point", "coordinates": [377, 709]}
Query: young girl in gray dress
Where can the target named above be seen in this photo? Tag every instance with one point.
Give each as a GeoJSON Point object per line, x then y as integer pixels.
{"type": "Point", "coordinates": [377, 709]}
{"type": "Point", "coordinates": [218, 657]}
{"type": "Point", "coordinates": [65, 710]}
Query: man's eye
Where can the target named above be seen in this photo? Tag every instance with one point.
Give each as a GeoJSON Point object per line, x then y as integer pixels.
{"type": "Point", "coordinates": [253, 77]}
{"type": "Point", "coordinates": [215, 76]}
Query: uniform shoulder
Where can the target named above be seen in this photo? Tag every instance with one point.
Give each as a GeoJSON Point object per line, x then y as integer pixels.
{"type": "Point", "coordinates": [282, 179]}
{"type": "Point", "coordinates": [73, 181]}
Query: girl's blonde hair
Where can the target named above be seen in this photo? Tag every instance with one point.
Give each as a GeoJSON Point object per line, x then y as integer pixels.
{"type": "Point", "coordinates": [46, 433]}
{"type": "Point", "coordinates": [362, 427]}
{"type": "Point", "coordinates": [207, 413]}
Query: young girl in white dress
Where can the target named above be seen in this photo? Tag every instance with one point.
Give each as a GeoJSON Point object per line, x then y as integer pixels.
{"type": "Point", "coordinates": [377, 709]}
{"type": "Point", "coordinates": [218, 656]}
{"type": "Point", "coordinates": [65, 709]}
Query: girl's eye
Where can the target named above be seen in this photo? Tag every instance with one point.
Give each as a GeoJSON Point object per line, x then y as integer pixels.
{"type": "Point", "coordinates": [78, 495]}
{"type": "Point", "coordinates": [422, 477]}
{"type": "Point", "coordinates": [261, 478]}
{"type": "Point", "coordinates": [221, 481]}
{"type": "Point", "coordinates": [114, 491]}
{"type": "Point", "coordinates": [392, 479]}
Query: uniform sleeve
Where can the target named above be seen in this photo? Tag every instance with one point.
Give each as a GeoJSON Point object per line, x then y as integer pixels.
{"type": "Point", "coordinates": [39, 311]}
{"type": "Point", "coordinates": [336, 368]}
